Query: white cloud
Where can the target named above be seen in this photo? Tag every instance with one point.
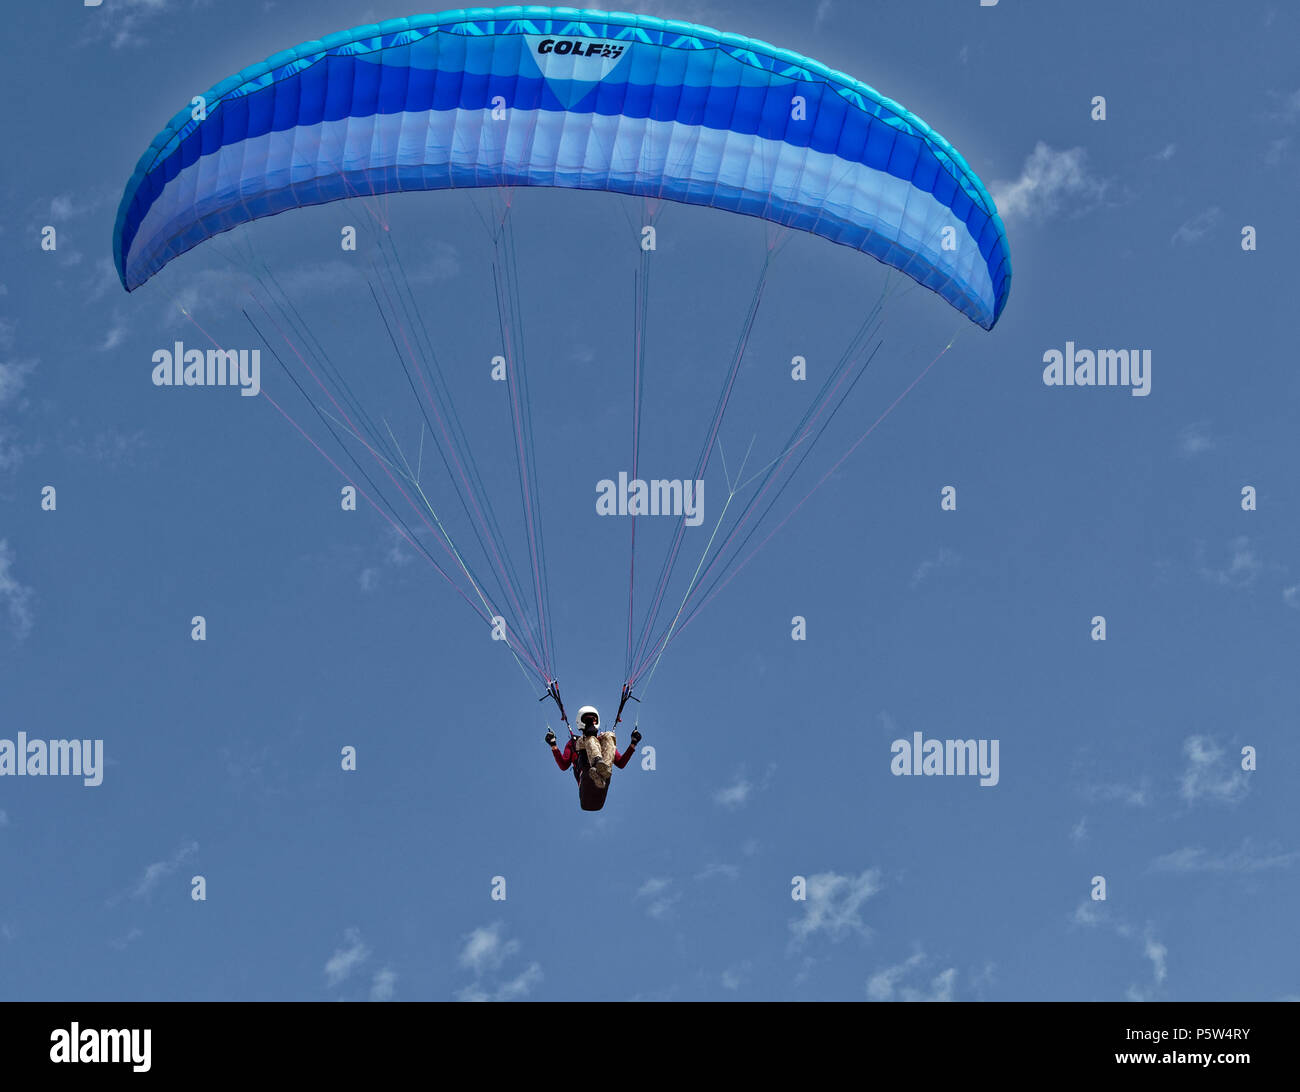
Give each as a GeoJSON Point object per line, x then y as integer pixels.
{"type": "Point", "coordinates": [521, 985]}
{"type": "Point", "coordinates": [834, 904]}
{"type": "Point", "coordinates": [155, 872]}
{"type": "Point", "coordinates": [1243, 565]}
{"type": "Point", "coordinates": [485, 949]}
{"type": "Point", "coordinates": [346, 960]}
{"type": "Point", "coordinates": [734, 977]}
{"type": "Point", "coordinates": [226, 286]}
{"type": "Point", "coordinates": [13, 374]}
{"type": "Point", "coordinates": [13, 377]}
{"type": "Point", "coordinates": [121, 943]}
{"type": "Point", "coordinates": [384, 985]}
{"type": "Point", "coordinates": [1158, 954]}
{"type": "Point", "coordinates": [1287, 113]}
{"type": "Point", "coordinates": [1195, 440]}
{"type": "Point", "coordinates": [1288, 110]}
{"type": "Point", "coordinates": [398, 551]}
{"type": "Point", "coordinates": [737, 794]}
{"type": "Point", "coordinates": [1200, 225]}
{"type": "Point", "coordinates": [1208, 776]}
{"type": "Point", "coordinates": [102, 281]}
{"type": "Point", "coordinates": [659, 895]}
{"type": "Point", "coordinates": [440, 263]}
{"type": "Point", "coordinates": [734, 795]}
{"type": "Point", "coordinates": [1051, 182]}
{"type": "Point", "coordinates": [63, 206]}
{"type": "Point", "coordinates": [1092, 914]}
{"type": "Point", "coordinates": [944, 559]}
{"type": "Point", "coordinates": [888, 984]}
{"type": "Point", "coordinates": [1088, 913]}
{"type": "Point", "coordinates": [1276, 150]}
{"type": "Point", "coordinates": [1134, 796]}
{"type": "Point", "coordinates": [121, 22]}
{"type": "Point", "coordinates": [1244, 859]}
{"type": "Point", "coordinates": [115, 336]}
{"type": "Point", "coordinates": [18, 598]}
{"type": "Point", "coordinates": [882, 984]}
{"type": "Point", "coordinates": [109, 447]}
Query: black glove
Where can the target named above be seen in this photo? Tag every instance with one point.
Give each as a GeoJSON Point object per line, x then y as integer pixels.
{"type": "Point", "coordinates": [550, 738]}
{"type": "Point", "coordinates": [635, 737]}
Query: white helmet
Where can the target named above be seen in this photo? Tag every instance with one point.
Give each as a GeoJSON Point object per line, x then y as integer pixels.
{"type": "Point", "coordinates": [588, 709]}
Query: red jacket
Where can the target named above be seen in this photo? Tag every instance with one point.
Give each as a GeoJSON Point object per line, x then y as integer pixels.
{"type": "Point", "coordinates": [591, 797]}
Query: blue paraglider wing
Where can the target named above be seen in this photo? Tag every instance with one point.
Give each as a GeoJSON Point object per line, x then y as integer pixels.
{"type": "Point", "coordinates": [541, 96]}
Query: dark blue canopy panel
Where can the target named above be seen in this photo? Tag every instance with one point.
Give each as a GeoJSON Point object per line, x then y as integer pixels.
{"type": "Point", "coordinates": [538, 96]}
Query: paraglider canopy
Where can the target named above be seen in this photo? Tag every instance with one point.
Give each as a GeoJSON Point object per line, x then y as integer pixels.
{"type": "Point", "coordinates": [542, 96]}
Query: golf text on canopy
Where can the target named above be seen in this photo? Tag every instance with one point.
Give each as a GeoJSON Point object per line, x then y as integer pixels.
{"type": "Point", "coordinates": [578, 48]}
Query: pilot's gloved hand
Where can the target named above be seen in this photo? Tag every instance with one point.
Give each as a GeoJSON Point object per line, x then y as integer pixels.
{"type": "Point", "coordinates": [550, 738]}
{"type": "Point", "coordinates": [635, 737]}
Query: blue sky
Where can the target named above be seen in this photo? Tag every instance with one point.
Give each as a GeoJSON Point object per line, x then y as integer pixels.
{"type": "Point", "coordinates": [1119, 758]}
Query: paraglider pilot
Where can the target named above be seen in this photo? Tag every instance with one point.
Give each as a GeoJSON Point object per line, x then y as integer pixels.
{"type": "Point", "coordinates": [591, 756]}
